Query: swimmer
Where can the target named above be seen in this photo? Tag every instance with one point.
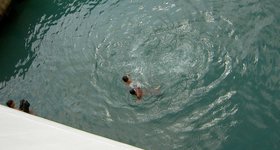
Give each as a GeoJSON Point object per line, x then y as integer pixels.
{"type": "Point", "coordinates": [135, 87]}
{"type": "Point", "coordinates": [24, 106]}
{"type": "Point", "coordinates": [126, 79]}
{"type": "Point", "coordinates": [138, 92]}
{"type": "Point", "coordinates": [11, 104]}
{"type": "Point", "coordinates": [129, 82]}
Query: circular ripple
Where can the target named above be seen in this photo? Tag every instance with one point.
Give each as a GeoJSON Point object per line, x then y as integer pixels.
{"type": "Point", "coordinates": [177, 54]}
{"type": "Point", "coordinates": [186, 52]}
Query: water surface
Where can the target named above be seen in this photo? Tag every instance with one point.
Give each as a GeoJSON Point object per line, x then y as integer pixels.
{"type": "Point", "coordinates": [217, 64]}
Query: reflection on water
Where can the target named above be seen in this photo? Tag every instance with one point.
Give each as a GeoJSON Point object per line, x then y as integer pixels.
{"type": "Point", "coordinates": [217, 75]}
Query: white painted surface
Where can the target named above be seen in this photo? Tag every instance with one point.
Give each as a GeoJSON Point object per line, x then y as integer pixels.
{"type": "Point", "coordinates": [22, 131]}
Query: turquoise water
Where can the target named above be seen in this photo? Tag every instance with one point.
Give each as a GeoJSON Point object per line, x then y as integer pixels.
{"type": "Point", "coordinates": [217, 63]}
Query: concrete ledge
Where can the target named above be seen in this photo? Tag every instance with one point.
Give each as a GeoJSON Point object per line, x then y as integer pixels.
{"type": "Point", "coordinates": [24, 131]}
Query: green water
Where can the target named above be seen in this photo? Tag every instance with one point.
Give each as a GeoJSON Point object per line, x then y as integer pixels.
{"type": "Point", "coordinates": [217, 63]}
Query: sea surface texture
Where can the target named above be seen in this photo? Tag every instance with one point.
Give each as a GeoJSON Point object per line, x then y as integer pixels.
{"type": "Point", "coordinates": [217, 64]}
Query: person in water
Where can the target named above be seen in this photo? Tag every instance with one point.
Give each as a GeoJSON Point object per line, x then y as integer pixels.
{"type": "Point", "coordinates": [138, 92]}
{"type": "Point", "coordinates": [126, 79]}
{"type": "Point", "coordinates": [24, 106]}
{"type": "Point", "coordinates": [11, 104]}
{"type": "Point", "coordinates": [135, 87]}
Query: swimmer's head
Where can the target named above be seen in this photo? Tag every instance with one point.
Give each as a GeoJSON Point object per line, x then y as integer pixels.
{"type": "Point", "coordinates": [10, 103]}
{"type": "Point", "coordinates": [125, 78]}
{"type": "Point", "coordinates": [132, 92]}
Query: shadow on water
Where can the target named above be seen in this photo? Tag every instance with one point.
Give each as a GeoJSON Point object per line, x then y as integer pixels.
{"type": "Point", "coordinates": [16, 53]}
{"type": "Point", "coordinates": [12, 50]}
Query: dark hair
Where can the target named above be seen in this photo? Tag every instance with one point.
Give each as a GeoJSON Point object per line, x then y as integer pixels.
{"type": "Point", "coordinates": [125, 78]}
{"type": "Point", "coordinates": [24, 105]}
{"type": "Point", "coordinates": [9, 103]}
{"type": "Point", "coordinates": [132, 92]}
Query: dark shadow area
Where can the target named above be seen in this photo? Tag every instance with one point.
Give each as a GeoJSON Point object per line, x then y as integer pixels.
{"type": "Point", "coordinates": [16, 55]}
{"type": "Point", "coordinates": [11, 53]}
